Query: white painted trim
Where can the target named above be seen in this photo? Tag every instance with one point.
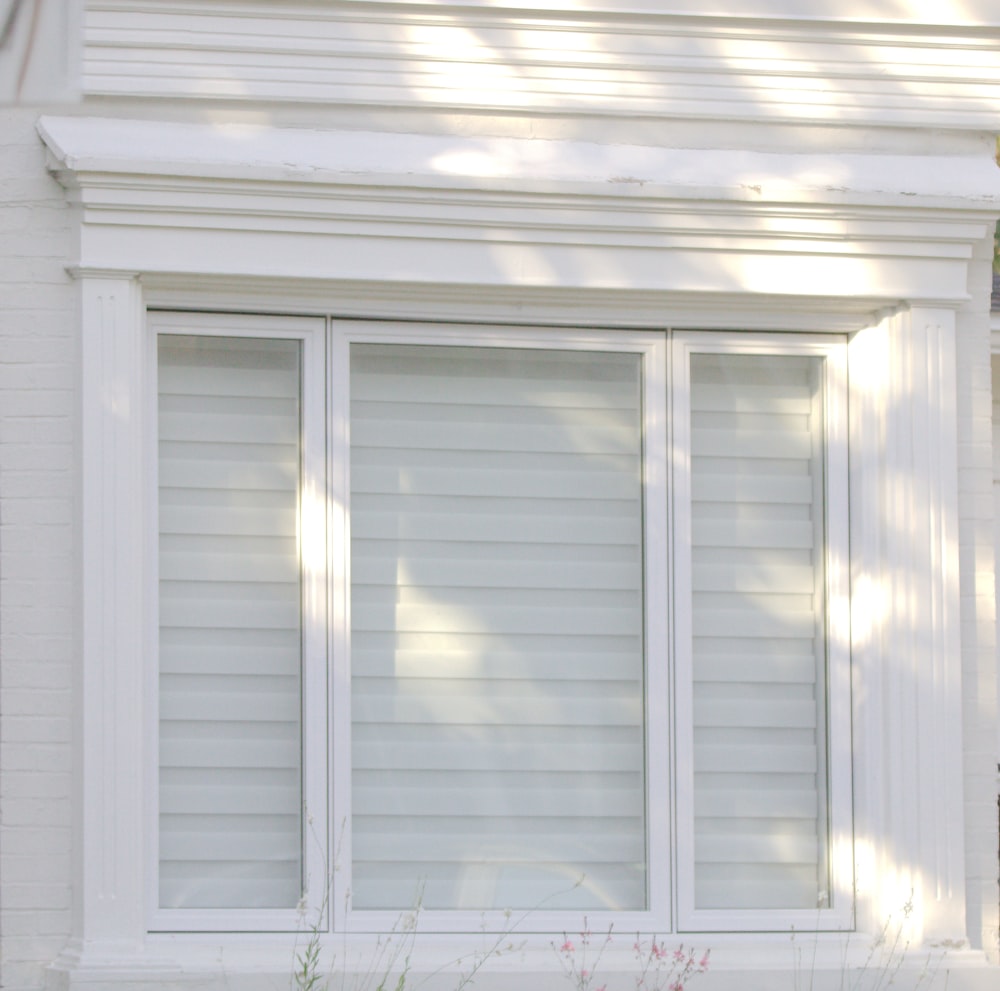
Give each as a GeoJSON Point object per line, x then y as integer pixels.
{"type": "Point", "coordinates": [112, 753]}
{"type": "Point", "coordinates": [520, 216]}
{"type": "Point", "coordinates": [906, 622]}
{"type": "Point", "coordinates": [865, 64]}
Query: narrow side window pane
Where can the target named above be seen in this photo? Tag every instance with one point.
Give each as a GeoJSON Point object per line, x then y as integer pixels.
{"type": "Point", "coordinates": [230, 793]}
{"type": "Point", "coordinates": [759, 624]}
{"type": "Point", "coordinates": [497, 629]}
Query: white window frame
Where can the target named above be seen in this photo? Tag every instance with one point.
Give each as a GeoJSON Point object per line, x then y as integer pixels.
{"type": "Point", "coordinates": [651, 345]}
{"type": "Point", "coordinates": [839, 915]}
{"type": "Point", "coordinates": [326, 624]}
{"type": "Point", "coordinates": [310, 333]}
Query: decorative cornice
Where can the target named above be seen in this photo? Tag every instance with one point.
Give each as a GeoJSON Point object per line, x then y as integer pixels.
{"type": "Point", "coordinates": [769, 61]}
{"type": "Point", "coordinates": [168, 198]}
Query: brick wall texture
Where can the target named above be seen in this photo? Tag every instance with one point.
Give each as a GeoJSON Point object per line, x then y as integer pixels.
{"type": "Point", "coordinates": [38, 402]}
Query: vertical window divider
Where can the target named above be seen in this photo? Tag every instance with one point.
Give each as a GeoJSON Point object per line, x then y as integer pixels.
{"type": "Point", "coordinates": [658, 688]}
{"type": "Point", "coordinates": [338, 515]}
{"type": "Point", "coordinates": [314, 561]}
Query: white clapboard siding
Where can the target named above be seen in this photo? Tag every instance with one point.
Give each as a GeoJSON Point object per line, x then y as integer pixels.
{"type": "Point", "coordinates": [230, 630]}
{"type": "Point", "coordinates": [757, 515]}
{"type": "Point", "coordinates": [497, 618]}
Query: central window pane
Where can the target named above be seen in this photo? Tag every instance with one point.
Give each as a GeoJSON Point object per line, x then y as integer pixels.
{"type": "Point", "coordinates": [497, 629]}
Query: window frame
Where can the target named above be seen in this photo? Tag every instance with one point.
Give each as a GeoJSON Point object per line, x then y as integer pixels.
{"type": "Point", "coordinates": [652, 346]}
{"type": "Point", "coordinates": [314, 771]}
{"type": "Point", "coordinates": [326, 631]}
{"type": "Point", "coordinates": [840, 913]}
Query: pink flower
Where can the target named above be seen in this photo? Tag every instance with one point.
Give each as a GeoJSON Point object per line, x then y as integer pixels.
{"type": "Point", "coordinates": [677, 986]}
{"type": "Point", "coordinates": [679, 954]}
{"type": "Point", "coordinates": [703, 963]}
{"type": "Point", "coordinates": [567, 947]}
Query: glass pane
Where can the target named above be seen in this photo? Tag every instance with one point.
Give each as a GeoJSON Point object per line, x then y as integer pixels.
{"type": "Point", "coordinates": [759, 620]}
{"type": "Point", "coordinates": [230, 629]}
{"type": "Point", "coordinates": [497, 629]}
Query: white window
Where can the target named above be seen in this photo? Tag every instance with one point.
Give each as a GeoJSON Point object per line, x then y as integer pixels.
{"type": "Point", "coordinates": [501, 618]}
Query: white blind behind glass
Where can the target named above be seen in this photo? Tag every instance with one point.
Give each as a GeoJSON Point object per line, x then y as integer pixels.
{"type": "Point", "coordinates": [497, 628]}
{"type": "Point", "coordinates": [230, 628]}
{"type": "Point", "coordinates": [759, 661]}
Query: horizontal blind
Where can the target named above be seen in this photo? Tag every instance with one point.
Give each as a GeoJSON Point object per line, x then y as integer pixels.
{"type": "Point", "coordinates": [230, 628]}
{"type": "Point", "coordinates": [758, 615]}
{"type": "Point", "coordinates": [497, 648]}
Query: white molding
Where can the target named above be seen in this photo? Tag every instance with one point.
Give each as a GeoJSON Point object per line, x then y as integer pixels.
{"type": "Point", "coordinates": [112, 752]}
{"type": "Point", "coordinates": [773, 61]}
{"type": "Point", "coordinates": [523, 306]}
{"type": "Point", "coordinates": [184, 200]}
{"type": "Point", "coordinates": [907, 679]}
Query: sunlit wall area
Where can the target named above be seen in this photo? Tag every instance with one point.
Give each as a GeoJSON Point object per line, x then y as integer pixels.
{"type": "Point", "coordinates": [484, 479]}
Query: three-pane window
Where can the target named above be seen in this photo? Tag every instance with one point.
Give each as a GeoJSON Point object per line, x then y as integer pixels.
{"type": "Point", "coordinates": [499, 618]}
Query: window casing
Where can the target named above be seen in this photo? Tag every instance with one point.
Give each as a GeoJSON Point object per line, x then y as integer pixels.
{"type": "Point", "coordinates": [365, 414]}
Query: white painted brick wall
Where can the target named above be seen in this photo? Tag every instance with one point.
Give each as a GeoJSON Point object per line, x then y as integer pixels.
{"type": "Point", "coordinates": [37, 590]}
